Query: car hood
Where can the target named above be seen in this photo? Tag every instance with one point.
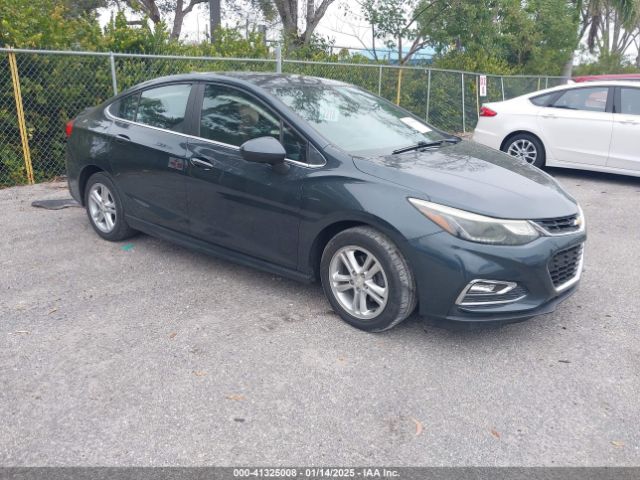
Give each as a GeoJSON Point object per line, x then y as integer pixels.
{"type": "Point", "coordinates": [475, 178]}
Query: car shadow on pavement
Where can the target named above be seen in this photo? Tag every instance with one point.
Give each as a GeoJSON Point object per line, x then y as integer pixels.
{"type": "Point", "coordinates": [609, 178]}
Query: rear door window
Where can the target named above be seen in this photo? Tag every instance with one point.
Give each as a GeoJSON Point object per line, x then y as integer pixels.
{"type": "Point", "coordinates": [588, 99]}
{"type": "Point", "coordinates": [630, 101]}
{"type": "Point", "coordinates": [164, 107]}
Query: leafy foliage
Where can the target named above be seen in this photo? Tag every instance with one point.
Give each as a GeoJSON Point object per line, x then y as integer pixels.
{"type": "Point", "coordinates": [45, 24]}
{"type": "Point", "coordinates": [491, 36]}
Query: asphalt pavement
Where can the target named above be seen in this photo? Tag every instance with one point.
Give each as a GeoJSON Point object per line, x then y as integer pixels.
{"type": "Point", "coordinates": [145, 353]}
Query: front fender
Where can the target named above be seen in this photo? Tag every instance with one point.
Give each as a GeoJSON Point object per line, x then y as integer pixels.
{"type": "Point", "coordinates": [330, 204]}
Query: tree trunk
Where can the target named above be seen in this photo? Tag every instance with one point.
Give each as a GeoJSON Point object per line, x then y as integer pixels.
{"type": "Point", "coordinates": [152, 10]}
{"type": "Point", "coordinates": [178, 20]}
{"type": "Point", "coordinates": [288, 11]}
{"type": "Point", "coordinates": [314, 19]}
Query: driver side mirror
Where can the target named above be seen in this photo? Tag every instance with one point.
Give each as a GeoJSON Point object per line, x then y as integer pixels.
{"type": "Point", "coordinates": [263, 150]}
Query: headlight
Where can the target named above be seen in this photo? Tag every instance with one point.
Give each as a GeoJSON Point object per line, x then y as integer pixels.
{"type": "Point", "coordinates": [477, 228]}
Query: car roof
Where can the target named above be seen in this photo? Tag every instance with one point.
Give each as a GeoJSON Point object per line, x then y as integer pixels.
{"type": "Point", "coordinates": [259, 83]}
{"type": "Point", "coordinates": [605, 83]}
{"type": "Point", "coordinates": [263, 80]}
{"type": "Point", "coordinates": [614, 76]}
{"type": "Point", "coordinates": [602, 83]}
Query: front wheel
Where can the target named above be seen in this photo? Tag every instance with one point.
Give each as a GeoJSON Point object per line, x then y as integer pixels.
{"type": "Point", "coordinates": [526, 147]}
{"type": "Point", "coordinates": [367, 280]}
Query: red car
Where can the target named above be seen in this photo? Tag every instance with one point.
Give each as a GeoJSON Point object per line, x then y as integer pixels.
{"type": "Point", "coordinates": [618, 76]}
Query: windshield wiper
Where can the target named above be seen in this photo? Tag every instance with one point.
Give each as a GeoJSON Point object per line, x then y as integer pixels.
{"type": "Point", "coordinates": [421, 145]}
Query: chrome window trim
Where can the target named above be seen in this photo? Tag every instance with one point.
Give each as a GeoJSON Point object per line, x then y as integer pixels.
{"type": "Point", "coordinates": [510, 286]}
{"type": "Point", "coordinates": [108, 113]}
{"type": "Point", "coordinates": [111, 116]}
{"type": "Point", "coordinates": [569, 283]}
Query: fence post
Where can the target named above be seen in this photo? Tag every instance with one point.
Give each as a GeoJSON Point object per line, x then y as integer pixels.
{"type": "Point", "coordinates": [502, 87]}
{"type": "Point", "coordinates": [464, 114]}
{"type": "Point", "coordinates": [428, 94]}
{"type": "Point", "coordinates": [278, 58]}
{"type": "Point", "coordinates": [114, 81]}
{"type": "Point", "coordinates": [22, 126]}
{"type": "Point", "coordinates": [399, 86]}
{"type": "Point", "coordinates": [380, 81]}
{"type": "Point", "coordinates": [546, 82]}
{"type": "Point", "coordinates": [478, 95]}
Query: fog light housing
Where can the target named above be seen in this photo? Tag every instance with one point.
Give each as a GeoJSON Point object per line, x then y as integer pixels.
{"type": "Point", "coordinates": [479, 293]}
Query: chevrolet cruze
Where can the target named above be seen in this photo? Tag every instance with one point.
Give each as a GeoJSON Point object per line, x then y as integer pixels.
{"type": "Point", "coordinates": [315, 179]}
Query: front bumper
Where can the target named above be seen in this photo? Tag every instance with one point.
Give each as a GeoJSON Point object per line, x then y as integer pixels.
{"type": "Point", "coordinates": [444, 265]}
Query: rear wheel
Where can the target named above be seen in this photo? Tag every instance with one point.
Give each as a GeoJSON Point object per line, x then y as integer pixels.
{"type": "Point", "coordinates": [105, 209]}
{"type": "Point", "coordinates": [367, 280]}
{"type": "Point", "coordinates": [526, 147]}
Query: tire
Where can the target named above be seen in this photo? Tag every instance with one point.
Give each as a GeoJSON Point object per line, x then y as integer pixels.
{"type": "Point", "coordinates": [108, 207]}
{"type": "Point", "coordinates": [526, 142]}
{"type": "Point", "coordinates": [342, 280]}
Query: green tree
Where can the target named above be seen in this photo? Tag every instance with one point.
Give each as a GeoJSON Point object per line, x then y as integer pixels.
{"type": "Point", "coordinates": [45, 24]}
{"type": "Point", "coordinates": [528, 36]}
{"type": "Point", "coordinates": [159, 10]}
{"type": "Point", "coordinates": [298, 31]}
{"type": "Point", "coordinates": [405, 25]}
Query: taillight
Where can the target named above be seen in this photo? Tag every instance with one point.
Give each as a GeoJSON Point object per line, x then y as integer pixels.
{"type": "Point", "coordinates": [68, 128]}
{"type": "Point", "coordinates": [487, 112]}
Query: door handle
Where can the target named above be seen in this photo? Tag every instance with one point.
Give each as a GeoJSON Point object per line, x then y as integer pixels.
{"type": "Point", "coordinates": [122, 138]}
{"type": "Point", "coordinates": [199, 162]}
{"type": "Point", "coordinates": [628, 122]}
{"type": "Point", "coordinates": [549, 115]}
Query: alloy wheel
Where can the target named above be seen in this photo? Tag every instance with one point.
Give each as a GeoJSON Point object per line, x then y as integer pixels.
{"type": "Point", "coordinates": [524, 150]}
{"type": "Point", "coordinates": [102, 207]}
{"type": "Point", "coordinates": [359, 282]}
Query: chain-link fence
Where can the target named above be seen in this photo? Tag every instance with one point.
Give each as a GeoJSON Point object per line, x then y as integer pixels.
{"type": "Point", "coordinates": [41, 90]}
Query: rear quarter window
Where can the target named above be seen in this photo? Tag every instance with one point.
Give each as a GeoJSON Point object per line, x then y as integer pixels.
{"type": "Point", "coordinates": [126, 107]}
{"type": "Point", "coordinates": [542, 100]}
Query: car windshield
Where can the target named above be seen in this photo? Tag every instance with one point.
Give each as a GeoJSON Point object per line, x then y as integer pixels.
{"type": "Point", "coordinates": [354, 120]}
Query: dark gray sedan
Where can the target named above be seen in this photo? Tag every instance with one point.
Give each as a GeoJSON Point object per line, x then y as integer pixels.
{"type": "Point", "coordinates": [316, 179]}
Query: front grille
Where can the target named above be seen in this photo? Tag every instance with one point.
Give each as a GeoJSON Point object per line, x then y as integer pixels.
{"type": "Point", "coordinates": [565, 265]}
{"type": "Point", "coordinates": [560, 225]}
{"type": "Point", "coordinates": [491, 299]}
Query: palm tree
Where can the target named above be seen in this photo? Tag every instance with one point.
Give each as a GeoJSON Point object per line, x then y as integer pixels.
{"type": "Point", "coordinates": [611, 27]}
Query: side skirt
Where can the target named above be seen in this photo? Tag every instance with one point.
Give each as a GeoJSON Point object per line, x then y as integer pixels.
{"type": "Point", "coordinates": [216, 250]}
